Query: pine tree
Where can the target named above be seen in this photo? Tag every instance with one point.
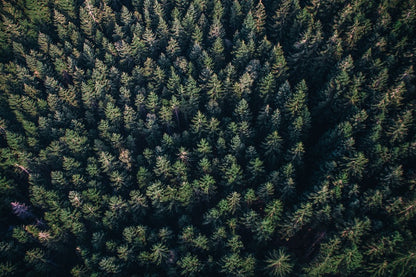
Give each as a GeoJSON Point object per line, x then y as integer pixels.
{"type": "Point", "coordinates": [260, 19]}
{"type": "Point", "coordinates": [278, 263]}
{"type": "Point", "coordinates": [190, 265]}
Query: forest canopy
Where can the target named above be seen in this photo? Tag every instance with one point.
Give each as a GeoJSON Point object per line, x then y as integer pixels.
{"type": "Point", "coordinates": [207, 138]}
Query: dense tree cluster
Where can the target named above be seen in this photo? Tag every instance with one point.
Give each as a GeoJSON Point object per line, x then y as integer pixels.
{"type": "Point", "coordinates": [212, 138]}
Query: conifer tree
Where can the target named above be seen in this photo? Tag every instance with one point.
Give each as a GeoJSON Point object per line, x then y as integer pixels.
{"type": "Point", "coordinates": [235, 138]}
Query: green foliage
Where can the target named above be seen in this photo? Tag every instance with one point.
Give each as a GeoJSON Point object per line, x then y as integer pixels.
{"type": "Point", "coordinates": [235, 265]}
{"type": "Point", "coordinates": [190, 265]}
{"type": "Point", "coordinates": [212, 138]}
{"type": "Point", "coordinates": [279, 263]}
